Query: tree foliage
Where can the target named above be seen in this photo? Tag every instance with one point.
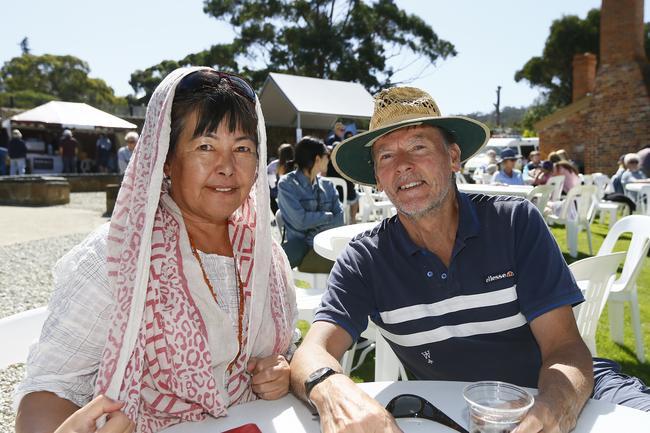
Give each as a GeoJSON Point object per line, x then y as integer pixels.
{"type": "Point", "coordinates": [552, 71]}
{"type": "Point", "coordinates": [348, 40]}
{"type": "Point", "coordinates": [30, 78]}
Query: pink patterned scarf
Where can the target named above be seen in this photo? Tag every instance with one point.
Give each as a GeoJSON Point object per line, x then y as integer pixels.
{"type": "Point", "coordinates": [157, 358]}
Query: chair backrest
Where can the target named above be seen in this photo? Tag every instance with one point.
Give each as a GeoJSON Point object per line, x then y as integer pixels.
{"type": "Point", "coordinates": [540, 196]}
{"type": "Point", "coordinates": [643, 198]}
{"type": "Point", "coordinates": [339, 183]}
{"type": "Point", "coordinates": [582, 198]}
{"type": "Point", "coordinates": [18, 332]}
{"type": "Point", "coordinates": [598, 273]}
{"type": "Point", "coordinates": [280, 223]}
{"type": "Point", "coordinates": [601, 181]}
{"type": "Point", "coordinates": [639, 227]}
{"type": "Point", "coordinates": [587, 179]}
{"type": "Point", "coordinates": [558, 184]}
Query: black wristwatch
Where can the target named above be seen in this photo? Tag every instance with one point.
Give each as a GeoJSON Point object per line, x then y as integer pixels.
{"type": "Point", "coordinates": [314, 379]}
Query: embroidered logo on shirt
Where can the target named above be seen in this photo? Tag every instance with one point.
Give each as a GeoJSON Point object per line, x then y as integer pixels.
{"type": "Point", "coordinates": [496, 277]}
{"type": "Point", "coordinates": [427, 356]}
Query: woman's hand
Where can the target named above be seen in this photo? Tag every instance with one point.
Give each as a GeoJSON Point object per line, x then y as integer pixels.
{"type": "Point", "coordinates": [270, 376]}
{"type": "Point", "coordinates": [84, 420]}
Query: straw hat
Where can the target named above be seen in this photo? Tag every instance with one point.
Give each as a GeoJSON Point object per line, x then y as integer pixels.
{"type": "Point", "coordinates": [399, 107]}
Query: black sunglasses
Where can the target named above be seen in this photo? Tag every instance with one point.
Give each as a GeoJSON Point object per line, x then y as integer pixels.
{"type": "Point", "coordinates": [237, 83]}
{"type": "Point", "coordinates": [414, 406]}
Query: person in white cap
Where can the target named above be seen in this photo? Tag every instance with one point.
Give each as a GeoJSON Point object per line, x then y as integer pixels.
{"type": "Point", "coordinates": [463, 287]}
{"type": "Point", "coordinates": [17, 153]}
{"type": "Point", "coordinates": [69, 147]}
{"type": "Point", "coordinates": [125, 152]}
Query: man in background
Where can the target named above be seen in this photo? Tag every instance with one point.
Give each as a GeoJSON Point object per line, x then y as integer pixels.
{"type": "Point", "coordinates": [17, 153]}
{"type": "Point", "coordinates": [125, 152]}
{"type": "Point", "coordinates": [69, 147]}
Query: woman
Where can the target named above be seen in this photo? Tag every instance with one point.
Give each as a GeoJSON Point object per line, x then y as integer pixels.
{"type": "Point", "coordinates": [569, 171]}
{"type": "Point", "coordinates": [279, 167]}
{"type": "Point", "coordinates": [183, 306]}
{"type": "Point", "coordinates": [309, 204]}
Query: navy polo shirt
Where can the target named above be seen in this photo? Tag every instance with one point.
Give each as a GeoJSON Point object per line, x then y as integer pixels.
{"type": "Point", "coordinates": [469, 321]}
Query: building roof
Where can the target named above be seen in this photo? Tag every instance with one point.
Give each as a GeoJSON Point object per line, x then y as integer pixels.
{"type": "Point", "coordinates": [74, 115]}
{"type": "Point", "coordinates": [319, 102]}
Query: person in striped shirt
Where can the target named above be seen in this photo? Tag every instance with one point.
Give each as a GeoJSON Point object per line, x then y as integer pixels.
{"type": "Point", "coordinates": [463, 287]}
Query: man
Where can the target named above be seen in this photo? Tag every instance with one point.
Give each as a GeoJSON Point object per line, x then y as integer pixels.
{"type": "Point", "coordinates": [449, 281]}
{"type": "Point", "coordinates": [532, 168]}
{"type": "Point", "coordinates": [103, 147]}
{"type": "Point", "coordinates": [337, 134]}
{"type": "Point", "coordinates": [644, 160]}
{"type": "Point", "coordinates": [17, 153]}
{"type": "Point", "coordinates": [125, 152]}
{"type": "Point", "coordinates": [69, 146]}
{"type": "Point", "coordinates": [508, 174]}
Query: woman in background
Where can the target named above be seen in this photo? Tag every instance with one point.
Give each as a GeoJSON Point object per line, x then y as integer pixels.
{"type": "Point", "coordinates": [309, 204]}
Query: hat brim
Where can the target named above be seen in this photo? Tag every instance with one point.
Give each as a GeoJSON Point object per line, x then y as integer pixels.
{"type": "Point", "coordinates": [353, 158]}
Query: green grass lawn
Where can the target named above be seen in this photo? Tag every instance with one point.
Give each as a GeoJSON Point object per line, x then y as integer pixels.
{"type": "Point", "coordinates": [623, 354]}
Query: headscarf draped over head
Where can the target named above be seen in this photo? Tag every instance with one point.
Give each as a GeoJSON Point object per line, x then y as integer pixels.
{"type": "Point", "coordinates": [156, 357]}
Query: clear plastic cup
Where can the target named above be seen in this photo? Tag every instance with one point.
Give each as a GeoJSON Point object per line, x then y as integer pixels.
{"type": "Point", "coordinates": [496, 407]}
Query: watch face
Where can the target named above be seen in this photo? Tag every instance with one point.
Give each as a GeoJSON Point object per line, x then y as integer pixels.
{"type": "Point", "coordinates": [318, 373]}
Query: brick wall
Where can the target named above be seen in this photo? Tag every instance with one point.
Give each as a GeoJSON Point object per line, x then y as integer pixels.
{"type": "Point", "coordinates": [584, 75]}
{"type": "Point", "coordinates": [615, 119]}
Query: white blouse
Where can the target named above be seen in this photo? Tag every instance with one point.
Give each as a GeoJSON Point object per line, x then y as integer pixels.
{"type": "Point", "coordinates": [65, 361]}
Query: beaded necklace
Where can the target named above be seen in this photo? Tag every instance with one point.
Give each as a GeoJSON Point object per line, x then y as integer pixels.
{"type": "Point", "coordinates": [240, 315]}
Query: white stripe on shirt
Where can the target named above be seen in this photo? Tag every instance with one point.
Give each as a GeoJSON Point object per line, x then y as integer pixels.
{"type": "Point", "coordinates": [458, 303]}
{"type": "Point", "coordinates": [463, 330]}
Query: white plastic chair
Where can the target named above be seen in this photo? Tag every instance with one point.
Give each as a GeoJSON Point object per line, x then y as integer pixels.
{"type": "Point", "coordinates": [540, 195]}
{"type": "Point", "coordinates": [606, 207]}
{"type": "Point", "coordinates": [558, 183]}
{"type": "Point", "coordinates": [598, 273]}
{"type": "Point", "coordinates": [643, 200]}
{"type": "Point", "coordinates": [340, 183]}
{"type": "Point", "coordinates": [624, 288]}
{"type": "Point", "coordinates": [371, 209]}
{"type": "Point", "coordinates": [387, 365]}
{"type": "Point", "coordinates": [303, 280]}
{"type": "Point", "coordinates": [576, 213]}
{"type": "Point", "coordinates": [18, 333]}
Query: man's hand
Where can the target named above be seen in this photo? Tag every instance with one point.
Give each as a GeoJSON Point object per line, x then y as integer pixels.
{"type": "Point", "coordinates": [84, 420]}
{"type": "Point", "coordinates": [344, 408]}
{"type": "Point", "coordinates": [270, 376]}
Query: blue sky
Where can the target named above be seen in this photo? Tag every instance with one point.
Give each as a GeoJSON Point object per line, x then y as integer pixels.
{"type": "Point", "coordinates": [493, 38]}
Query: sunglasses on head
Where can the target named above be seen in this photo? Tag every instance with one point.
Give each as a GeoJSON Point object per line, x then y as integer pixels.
{"type": "Point", "coordinates": [414, 406]}
{"type": "Point", "coordinates": [237, 83]}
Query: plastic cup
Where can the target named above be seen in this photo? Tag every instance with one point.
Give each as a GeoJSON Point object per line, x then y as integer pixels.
{"type": "Point", "coordinates": [496, 407]}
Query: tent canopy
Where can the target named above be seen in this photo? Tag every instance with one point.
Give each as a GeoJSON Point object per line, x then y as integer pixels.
{"type": "Point", "coordinates": [74, 115]}
{"type": "Point", "coordinates": [304, 102]}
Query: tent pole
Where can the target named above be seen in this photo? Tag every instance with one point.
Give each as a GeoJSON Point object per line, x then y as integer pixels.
{"type": "Point", "coordinates": [298, 129]}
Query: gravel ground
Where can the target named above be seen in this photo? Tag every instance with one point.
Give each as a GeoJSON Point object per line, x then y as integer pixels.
{"type": "Point", "coordinates": [26, 283]}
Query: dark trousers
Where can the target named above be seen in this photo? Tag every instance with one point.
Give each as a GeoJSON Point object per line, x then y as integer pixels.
{"type": "Point", "coordinates": [615, 387]}
{"type": "Point", "coordinates": [69, 164]}
{"type": "Point", "coordinates": [305, 258]}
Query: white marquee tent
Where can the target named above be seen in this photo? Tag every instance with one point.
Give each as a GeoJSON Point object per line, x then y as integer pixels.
{"type": "Point", "coordinates": [72, 115]}
{"type": "Point", "coordinates": [304, 102]}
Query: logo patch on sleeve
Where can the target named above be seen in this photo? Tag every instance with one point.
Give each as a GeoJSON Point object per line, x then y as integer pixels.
{"type": "Point", "coordinates": [496, 277]}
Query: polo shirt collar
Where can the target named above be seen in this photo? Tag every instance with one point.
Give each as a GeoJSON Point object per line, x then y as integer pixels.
{"type": "Point", "coordinates": [468, 226]}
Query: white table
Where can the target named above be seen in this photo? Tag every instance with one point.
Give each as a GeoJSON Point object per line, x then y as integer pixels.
{"type": "Point", "coordinates": [642, 191]}
{"type": "Point", "coordinates": [477, 188]}
{"type": "Point", "coordinates": [288, 414]}
{"type": "Point", "coordinates": [330, 243]}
